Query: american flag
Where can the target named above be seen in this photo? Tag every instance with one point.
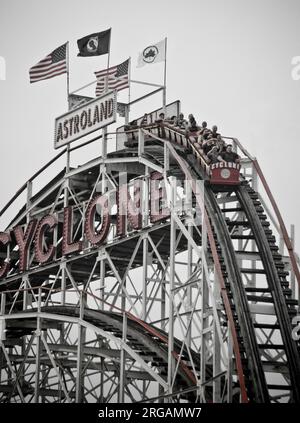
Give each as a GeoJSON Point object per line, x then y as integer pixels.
{"type": "Point", "coordinates": [52, 65]}
{"type": "Point", "coordinates": [117, 78]}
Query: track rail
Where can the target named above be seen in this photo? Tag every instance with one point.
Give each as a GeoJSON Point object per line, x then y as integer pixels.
{"type": "Point", "coordinates": [283, 306]}
{"type": "Point", "coordinates": [235, 288]}
{"type": "Point", "coordinates": [224, 293]}
{"type": "Point", "coordinates": [282, 226]}
{"type": "Point", "coordinates": [144, 339]}
{"type": "Point", "coordinates": [256, 383]}
{"type": "Point", "coordinates": [224, 232]}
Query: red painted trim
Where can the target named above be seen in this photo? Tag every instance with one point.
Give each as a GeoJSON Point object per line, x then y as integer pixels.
{"type": "Point", "coordinates": [286, 237]}
{"type": "Point", "coordinates": [280, 221]}
{"type": "Point", "coordinates": [236, 348]}
{"type": "Point", "coordinates": [153, 332]}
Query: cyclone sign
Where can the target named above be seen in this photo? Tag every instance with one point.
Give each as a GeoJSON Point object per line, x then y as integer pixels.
{"type": "Point", "coordinates": [39, 238]}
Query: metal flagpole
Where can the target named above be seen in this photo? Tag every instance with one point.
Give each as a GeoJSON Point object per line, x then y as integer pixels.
{"type": "Point", "coordinates": [66, 181]}
{"type": "Point", "coordinates": [68, 74]}
{"type": "Point", "coordinates": [68, 99]}
{"type": "Point", "coordinates": [165, 79]}
{"type": "Point", "coordinates": [108, 60]}
{"type": "Point", "coordinates": [104, 129]}
{"type": "Point", "coordinates": [127, 110]}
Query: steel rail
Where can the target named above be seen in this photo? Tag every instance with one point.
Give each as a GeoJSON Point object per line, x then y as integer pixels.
{"type": "Point", "coordinates": [149, 328]}
{"type": "Point", "coordinates": [284, 232]}
{"type": "Point", "coordinates": [236, 346]}
{"type": "Point", "coordinates": [280, 305]}
{"type": "Point", "coordinates": [279, 299]}
{"type": "Point", "coordinates": [150, 331]}
{"type": "Point", "coordinates": [241, 303]}
{"type": "Point", "coordinates": [282, 226]}
{"type": "Point", "coordinates": [153, 331]}
{"type": "Point", "coordinates": [276, 291]}
{"type": "Point", "coordinates": [41, 170]}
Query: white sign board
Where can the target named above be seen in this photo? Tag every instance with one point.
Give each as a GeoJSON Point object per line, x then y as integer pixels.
{"type": "Point", "coordinates": [87, 118]}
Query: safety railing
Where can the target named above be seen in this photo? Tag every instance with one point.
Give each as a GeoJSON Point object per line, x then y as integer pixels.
{"type": "Point", "coordinates": [28, 184]}
{"type": "Point", "coordinates": [280, 223]}
{"type": "Point", "coordinates": [180, 137]}
{"type": "Point", "coordinates": [175, 135]}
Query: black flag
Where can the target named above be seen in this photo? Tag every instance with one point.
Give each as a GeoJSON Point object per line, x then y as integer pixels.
{"type": "Point", "coordinates": [94, 44]}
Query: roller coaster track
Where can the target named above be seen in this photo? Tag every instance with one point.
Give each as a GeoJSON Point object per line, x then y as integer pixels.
{"type": "Point", "coordinates": [275, 292]}
{"type": "Point", "coordinates": [257, 315]}
{"type": "Point", "coordinates": [142, 339]}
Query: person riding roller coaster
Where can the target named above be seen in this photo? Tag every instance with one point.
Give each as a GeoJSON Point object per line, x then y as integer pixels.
{"type": "Point", "coordinates": [144, 120]}
{"type": "Point", "coordinates": [230, 156]}
{"type": "Point", "coordinates": [161, 118]}
{"type": "Point", "coordinates": [214, 155]}
{"type": "Point", "coordinates": [192, 124]}
{"type": "Point", "coordinates": [180, 122]}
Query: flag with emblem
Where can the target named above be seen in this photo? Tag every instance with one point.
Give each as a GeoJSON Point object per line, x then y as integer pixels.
{"type": "Point", "coordinates": [116, 78]}
{"type": "Point", "coordinates": [152, 54]}
{"type": "Point", "coordinates": [94, 44]}
{"type": "Point", "coordinates": [52, 65]}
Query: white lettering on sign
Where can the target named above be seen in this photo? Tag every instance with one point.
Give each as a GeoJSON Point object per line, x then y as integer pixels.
{"type": "Point", "coordinates": [85, 119]}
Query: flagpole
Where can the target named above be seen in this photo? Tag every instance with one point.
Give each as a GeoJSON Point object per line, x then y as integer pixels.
{"type": "Point", "coordinates": [68, 74]}
{"type": "Point", "coordinates": [68, 99]}
{"type": "Point", "coordinates": [165, 79]}
{"type": "Point", "coordinates": [128, 107]}
{"type": "Point", "coordinates": [108, 59]}
{"type": "Point", "coordinates": [104, 129]}
{"type": "Point", "coordinates": [108, 62]}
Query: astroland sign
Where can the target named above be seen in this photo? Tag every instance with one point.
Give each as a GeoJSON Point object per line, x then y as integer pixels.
{"type": "Point", "coordinates": [85, 119]}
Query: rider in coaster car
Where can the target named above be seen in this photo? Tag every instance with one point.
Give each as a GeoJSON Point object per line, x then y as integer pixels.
{"type": "Point", "coordinates": [221, 144]}
{"type": "Point", "coordinates": [171, 121]}
{"type": "Point", "coordinates": [214, 131]}
{"type": "Point", "coordinates": [230, 156]}
{"type": "Point", "coordinates": [214, 155]}
{"type": "Point", "coordinates": [203, 128]}
{"type": "Point", "coordinates": [192, 124]}
{"type": "Point", "coordinates": [192, 129]}
{"type": "Point", "coordinates": [161, 118]}
{"type": "Point", "coordinates": [144, 120]}
{"type": "Point", "coordinates": [206, 147]}
{"type": "Point", "coordinates": [180, 122]}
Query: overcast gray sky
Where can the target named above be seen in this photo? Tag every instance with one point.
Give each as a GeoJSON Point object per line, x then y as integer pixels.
{"type": "Point", "coordinates": [229, 62]}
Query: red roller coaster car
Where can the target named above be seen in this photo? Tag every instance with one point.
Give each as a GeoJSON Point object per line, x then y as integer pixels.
{"type": "Point", "coordinates": [225, 173]}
